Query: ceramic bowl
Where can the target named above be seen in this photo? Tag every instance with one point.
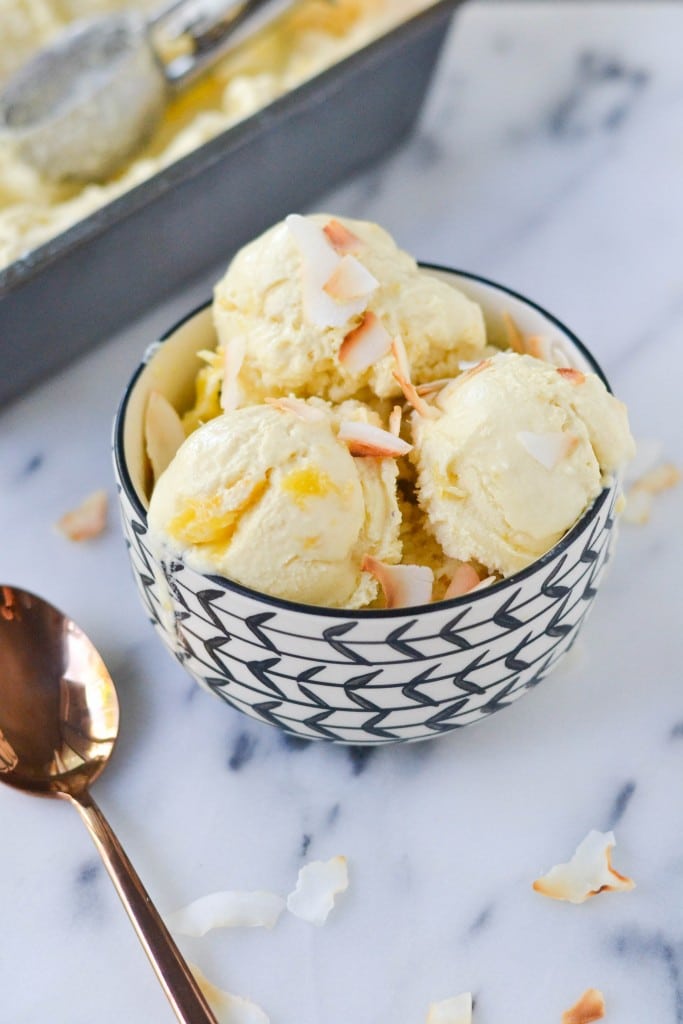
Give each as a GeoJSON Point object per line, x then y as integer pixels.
{"type": "Point", "coordinates": [361, 677]}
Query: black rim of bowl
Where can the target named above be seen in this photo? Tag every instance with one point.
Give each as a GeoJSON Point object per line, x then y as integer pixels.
{"type": "Point", "coordinates": [374, 613]}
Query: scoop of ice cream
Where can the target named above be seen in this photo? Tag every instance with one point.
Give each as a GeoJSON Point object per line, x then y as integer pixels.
{"type": "Point", "coordinates": [518, 453]}
{"type": "Point", "coordinates": [311, 307]}
{"type": "Point", "coordinates": [270, 497]}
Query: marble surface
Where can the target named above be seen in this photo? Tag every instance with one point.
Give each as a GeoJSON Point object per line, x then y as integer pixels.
{"type": "Point", "coordinates": [548, 158]}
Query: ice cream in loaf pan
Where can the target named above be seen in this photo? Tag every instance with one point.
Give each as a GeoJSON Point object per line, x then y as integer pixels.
{"type": "Point", "coordinates": [313, 36]}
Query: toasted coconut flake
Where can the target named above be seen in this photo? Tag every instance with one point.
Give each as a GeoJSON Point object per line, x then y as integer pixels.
{"type": "Point", "coordinates": [395, 418]}
{"type": "Point", "coordinates": [660, 478]}
{"type": "Point", "coordinates": [319, 262]}
{"type": "Point", "coordinates": [227, 910]}
{"type": "Point", "coordinates": [398, 350]}
{"type": "Point", "coordinates": [164, 432]}
{"type": "Point", "coordinates": [350, 280]}
{"type": "Point", "coordinates": [639, 497]}
{"type": "Point", "coordinates": [536, 346]}
{"type": "Point", "coordinates": [473, 370]}
{"type": "Point", "coordinates": [402, 376]}
{"type": "Point", "coordinates": [86, 521]}
{"type": "Point", "coordinates": [233, 357]}
{"type": "Point", "coordinates": [298, 407]}
{"type": "Point", "coordinates": [432, 387]}
{"type": "Point", "coordinates": [403, 585]}
{"type": "Point", "coordinates": [588, 873]}
{"type": "Point", "coordinates": [487, 582]}
{"type": "Point", "coordinates": [421, 407]}
{"type": "Point", "coordinates": [571, 374]}
{"type": "Point", "coordinates": [317, 884]}
{"type": "Point", "coordinates": [465, 578]}
{"type": "Point", "coordinates": [365, 344]}
{"type": "Point", "coordinates": [590, 1007]}
{"type": "Point", "coordinates": [649, 455]}
{"type": "Point", "coordinates": [456, 1010]}
{"type": "Point", "coordinates": [363, 439]}
{"type": "Point", "coordinates": [637, 507]}
{"type": "Point", "coordinates": [229, 1009]}
{"type": "Point", "coordinates": [549, 448]}
{"type": "Point", "coordinates": [340, 238]}
{"type": "Point", "coordinates": [8, 755]}
{"type": "Point", "coordinates": [515, 337]}
{"type": "Point", "coordinates": [550, 350]}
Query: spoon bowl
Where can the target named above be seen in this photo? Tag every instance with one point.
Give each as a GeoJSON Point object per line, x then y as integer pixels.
{"type": "Point", "coordinates": [59, 719]}
{"type": "Point", "coordinates": [59, 712]}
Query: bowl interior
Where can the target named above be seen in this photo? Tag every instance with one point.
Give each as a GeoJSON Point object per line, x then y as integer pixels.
{"type": "Point", "coordinates": [170, 366]}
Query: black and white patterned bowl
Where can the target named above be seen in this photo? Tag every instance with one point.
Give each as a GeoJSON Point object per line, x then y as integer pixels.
{"type": "Point", "coordinates": [360, 676]}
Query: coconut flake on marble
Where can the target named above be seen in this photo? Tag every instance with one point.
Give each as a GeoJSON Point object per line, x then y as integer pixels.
{"type": "Point", "coordinates": [588, 873]}
{"type": "Point", "coordinates": [228, 909]}
{"type": "Point", "coordinates": [318, 884]}
{"type": "Point", "coordinates": [228, 1008]}
{"type": "Point", "coordinates": [456, 1010]}
{"type": "Point", "coordinates": [87, 520]}
{"type": "Point", "coordinates": [590, 1007]}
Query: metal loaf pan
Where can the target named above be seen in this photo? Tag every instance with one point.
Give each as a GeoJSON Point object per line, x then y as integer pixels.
{"type": "Point", "coordinates": [81, 286]}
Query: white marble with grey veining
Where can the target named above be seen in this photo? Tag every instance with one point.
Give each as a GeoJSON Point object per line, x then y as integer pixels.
{"type": "Point", "coordinates": [549, 157]}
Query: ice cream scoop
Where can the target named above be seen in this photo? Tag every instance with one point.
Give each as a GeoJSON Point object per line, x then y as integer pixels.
{"type": "Point", "coordinates": [83, 105]}
{"type": "Point", "coordinates": [518, 452]}
{"type": "Point", "coordinates": [270, 496]}
{"type": "Point", "coordinates": [315, 302]}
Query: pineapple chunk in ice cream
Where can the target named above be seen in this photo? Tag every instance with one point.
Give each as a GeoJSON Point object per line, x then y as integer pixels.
{"type": "Point", "coordinates": [519, 451]}
{"type": "Point", "coordinates": [271, 498]}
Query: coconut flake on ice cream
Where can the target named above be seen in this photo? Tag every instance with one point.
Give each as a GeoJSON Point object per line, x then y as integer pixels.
{"type": "Point", "coordinates": [302, 289]}
{"type": "Point", "coordinates": [303, 479]}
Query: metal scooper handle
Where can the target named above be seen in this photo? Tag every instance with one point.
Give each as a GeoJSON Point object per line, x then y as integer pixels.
{"type": "Point", "coordinates": [204, 30]}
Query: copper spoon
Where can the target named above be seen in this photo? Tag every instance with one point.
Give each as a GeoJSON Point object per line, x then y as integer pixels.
{"type": "Point", "coordinates": [59, 719]}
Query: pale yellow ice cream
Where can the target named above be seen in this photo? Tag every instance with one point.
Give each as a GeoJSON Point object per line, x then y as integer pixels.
{"type": "Point", "coordinates": [519, 451]}
{"type": "Point", "coordinates": [260, 302]}
{"type": "Point", "coordinates": [278, 503]}
{"type": "Point", "coordinates": [508, 452]}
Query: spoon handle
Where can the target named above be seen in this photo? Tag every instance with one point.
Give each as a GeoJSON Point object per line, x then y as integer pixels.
{"type": "Point", "coordinates": [175, 976]}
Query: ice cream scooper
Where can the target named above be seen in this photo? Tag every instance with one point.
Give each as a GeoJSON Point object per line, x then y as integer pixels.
{"type": "Point", "coordinates": [83, 105]}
